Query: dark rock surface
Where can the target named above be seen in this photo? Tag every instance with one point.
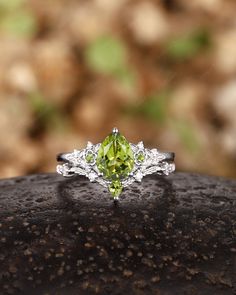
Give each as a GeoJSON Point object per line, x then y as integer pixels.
{"type": "Point", "coordinates": [169, 235]}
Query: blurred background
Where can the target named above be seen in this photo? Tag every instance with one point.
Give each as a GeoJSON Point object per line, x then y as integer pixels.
{"type": "Point", "coordinates": [162, 71]}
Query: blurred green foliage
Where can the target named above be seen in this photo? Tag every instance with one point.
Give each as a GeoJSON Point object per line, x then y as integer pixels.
{"type": "Point", "coordinates": [153, 107]}
{"type": "Point", "coordinates": [107, 55]}
{"type": "Point", "coordinates": [46, 113]}
{"type": "Point", "coordinates": [9, 5]}
{"type": "Point", "coordinates": [187, 134]}
{"type": "Point", "coordinates": [186, 47]}
{"type": "Point", "coordinates": [40, 106]}
{"type": "Point", "coordinates": [16, 19]}
{"type": "Point", "coordinates": [127, 78]}
{"type": "Point", "coordinates": [20, 24]}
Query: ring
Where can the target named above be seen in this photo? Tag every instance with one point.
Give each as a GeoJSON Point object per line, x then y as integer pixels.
{"type": "Point", "coordinates": [115, 163]}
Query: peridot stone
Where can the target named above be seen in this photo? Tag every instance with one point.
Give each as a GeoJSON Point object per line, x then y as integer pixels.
{"type": "Point", "coordinates": [115, 160]}
{"type": "Point", "coordinates": [115, 188]}
{"type": "Point", "coordinates": [89, 157]}
{"type": "Point", "coordinates": [140, 157]}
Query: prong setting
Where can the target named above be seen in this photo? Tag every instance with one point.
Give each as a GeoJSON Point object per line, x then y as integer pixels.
{"type": "Point", "coordinates": [115, 130]}
{"type": "Point", "coordinates": [89, 144]}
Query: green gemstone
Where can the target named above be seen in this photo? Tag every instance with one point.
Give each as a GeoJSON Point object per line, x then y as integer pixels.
{"type": "Point", "coordinates": [140, 157]}
{"type": "Point", "coordinates": [89, 157]}
{"type": "Point", "coordinates": [115, 188]}
{"type": "Point", "coordinates": [115, 160]}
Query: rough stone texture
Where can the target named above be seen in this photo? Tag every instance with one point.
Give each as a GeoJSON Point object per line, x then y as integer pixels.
{"type": "Point", "coordinates": [169, 235]}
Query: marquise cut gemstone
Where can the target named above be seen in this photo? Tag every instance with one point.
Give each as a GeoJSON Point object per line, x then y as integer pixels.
{"type": "Point", "coordinates": [115, 188]}
{"type": "Point", "coordinates": [115, 160]}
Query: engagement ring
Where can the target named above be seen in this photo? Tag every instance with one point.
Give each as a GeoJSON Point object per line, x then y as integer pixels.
{"type": "Point", "coordinates": [115, 163]}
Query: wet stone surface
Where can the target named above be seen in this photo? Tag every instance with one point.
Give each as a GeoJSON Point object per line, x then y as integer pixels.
{"type": "Point", "coordinates": [168, 235]}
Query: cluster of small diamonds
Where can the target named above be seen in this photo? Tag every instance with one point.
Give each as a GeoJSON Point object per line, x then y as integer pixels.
{"type": "Point", "coordinates": [146, 161]}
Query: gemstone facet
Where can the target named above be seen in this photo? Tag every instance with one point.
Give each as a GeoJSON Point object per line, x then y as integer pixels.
{"type": "Point", "coordinates": [140, 157]}
{"type": "Point", "coordinates": [115, 160]}
{"type": "Point", "coordinates": [115, 188]}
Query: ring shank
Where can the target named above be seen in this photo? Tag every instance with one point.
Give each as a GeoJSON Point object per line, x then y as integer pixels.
{"type": "Point", "coordinates": [169, 156]}
{"type": "Point", "coordinates": [62, 157]}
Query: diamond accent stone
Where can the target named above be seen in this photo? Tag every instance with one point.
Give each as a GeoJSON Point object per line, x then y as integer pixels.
{"type": "Point", "coordinates": [92, 176]}
{"type": "Point", "coordinates": [139, 176]}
